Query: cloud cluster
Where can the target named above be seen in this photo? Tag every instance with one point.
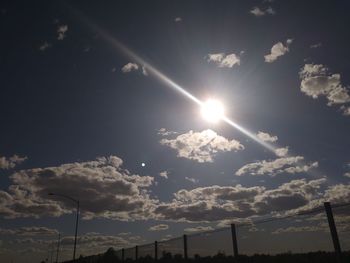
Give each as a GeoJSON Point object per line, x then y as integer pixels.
{"type": "Point", "coordinates": [292, 165]}
{"type": "Point", "coordinates": [11, 162]}
{"type": "Point", "coordinates": [316, 81]}
{"type": "Point", "coordinates": [102, 186]}
{"type": "Point", "coordinates": [214, 203]}
{"type": "Point", "coordinates": [201, 146]}
{"type": "Point", "coordinates": [278, 50]}
{"type": "Point", "coordinates": [224, 61]}
{"type": "Point", "coordinates": [257, 11]}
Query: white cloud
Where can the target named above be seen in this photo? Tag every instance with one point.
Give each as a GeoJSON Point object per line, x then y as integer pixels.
{"type": "Point", "coordinates": [61, 31]}
{"type": "Point", "coordinates": [178, 19]}
{"type": "Point", "coordinates": [164, 174]}
{"type": "Point", "coordinates": [292, 165]}
{"type": "Point", "coordinates": [192, 180]}
{"type": "Point", "coordinates": [278, 50]}
{"type": "Point", "coordinates": [224, 61]}
{"type": "Point", "coordinates": [316, 81]}
{"type": "Point", "coordinates": [347, 174]}
{"type": "Point", "coordinates": [257, 11]}
{"type": "Point", "coordinates": [104, 188]}
{"type": "Point", "coordinates": [198, 229]}
{"type": "Point", "coordinates": [264, 136]}
{"type": "Point", "coordinates": [201, 146]}
{"type": "Point", "coordinates": [281, 152]}
{"type": "Point", "coordinates": [160, 227]}
{"type": "Point", "coordinates": [130, 67]}
{"type": "Point", "coordinates": [11, 162]}
{"type": "Point", "coordinates": [44, 46]}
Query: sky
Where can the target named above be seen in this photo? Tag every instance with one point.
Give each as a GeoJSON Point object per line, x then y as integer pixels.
{"type": "Point", "coordinates": [102, 103]}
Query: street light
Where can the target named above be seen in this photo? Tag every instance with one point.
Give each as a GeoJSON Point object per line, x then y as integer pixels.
{"type": "Point", "coordinates": [76, 222]}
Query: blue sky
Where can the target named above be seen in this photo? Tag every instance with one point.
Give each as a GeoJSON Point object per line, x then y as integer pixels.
{"type": "Point", "coordinates": [79, 117]}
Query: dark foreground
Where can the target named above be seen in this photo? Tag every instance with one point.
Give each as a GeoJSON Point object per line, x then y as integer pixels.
{"type": "Point", "coordinates": [312, 257]}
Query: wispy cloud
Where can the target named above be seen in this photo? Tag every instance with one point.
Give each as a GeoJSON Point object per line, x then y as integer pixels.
{"type": "Point", "coordinates": [192, 180]}
{"type": "Point", "coordinates": [160, 227]}
{"type": "Point", "coordinates": [198, 229]}
{"type": "Point", "coordinates": [317, 45]}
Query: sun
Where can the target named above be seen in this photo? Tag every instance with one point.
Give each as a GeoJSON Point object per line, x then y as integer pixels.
{"type": "Point", "coordinates": [212, 110]}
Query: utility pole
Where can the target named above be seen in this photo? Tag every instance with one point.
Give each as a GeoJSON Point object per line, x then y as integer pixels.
{"type": "Point", "coordinates": [58, 246]}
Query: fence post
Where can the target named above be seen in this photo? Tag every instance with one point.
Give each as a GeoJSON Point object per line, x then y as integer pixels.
{"type": "Point", "coordinates": [185, 247]}
{"type": "Point", "coordinates": [136, 252]}
{"type": "Point", "coordinates": [155, 250]}
{"type": "Point", "coordinates": [333, 229]}
{"type": "Point", "coordinates": [122, 254]}
{"type": "Point", "coordinates": [234, 241]}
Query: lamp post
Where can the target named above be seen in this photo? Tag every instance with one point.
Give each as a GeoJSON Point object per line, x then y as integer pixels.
{"type": "Point", "coordinates": [77, 218]}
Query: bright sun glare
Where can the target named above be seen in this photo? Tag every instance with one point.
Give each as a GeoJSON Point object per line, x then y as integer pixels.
{"type": "Point", "coordinates": [212, 110]}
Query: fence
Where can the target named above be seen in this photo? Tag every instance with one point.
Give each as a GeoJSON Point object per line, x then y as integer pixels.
{"type": "Point", "coordinates": [323, 229]}
{"type": "Point", "coordinates": [317, 235]}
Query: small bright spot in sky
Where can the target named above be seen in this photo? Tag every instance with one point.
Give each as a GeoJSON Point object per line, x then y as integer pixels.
{"type": "Point", "coordinates": [143, 164]}
{"type": "Point", "coordinates": [212, 110]}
